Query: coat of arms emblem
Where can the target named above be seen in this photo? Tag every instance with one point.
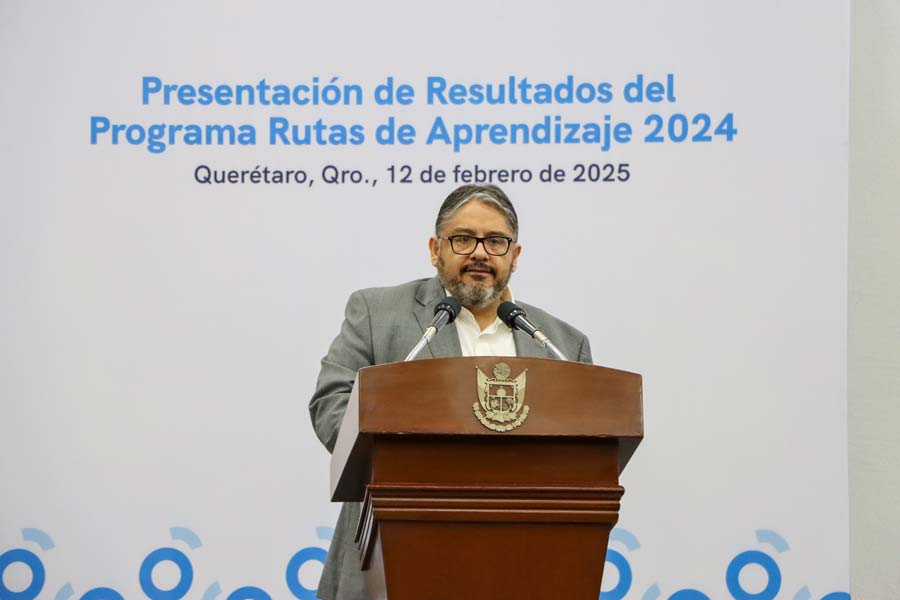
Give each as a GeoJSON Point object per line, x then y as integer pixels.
{"type": "Point", "coordinates": [501, 400]}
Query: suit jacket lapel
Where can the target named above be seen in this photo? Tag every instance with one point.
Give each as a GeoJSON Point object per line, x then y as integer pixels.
{"type": "Point", "coordinates": [526, 347]}
{"type": "Point", "coordinates": [446, 343]}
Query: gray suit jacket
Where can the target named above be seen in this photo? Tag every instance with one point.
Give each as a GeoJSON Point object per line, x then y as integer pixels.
{"type": "Point", "coordinates": [380, 326]}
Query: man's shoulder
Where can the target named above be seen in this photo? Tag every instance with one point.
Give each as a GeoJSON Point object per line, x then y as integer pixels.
{"type": "Point", "coordinates": [545, 320]}
{"type": "Point", "coordinates": [403, 289]}
{"type": "Point", "coordinates": [407, 295]}
{"type": "Point", "coordinates": [574, 343]}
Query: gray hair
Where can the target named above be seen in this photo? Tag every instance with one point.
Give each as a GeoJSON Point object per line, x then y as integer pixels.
{"type": "Point", "coordinates": [489, 194]}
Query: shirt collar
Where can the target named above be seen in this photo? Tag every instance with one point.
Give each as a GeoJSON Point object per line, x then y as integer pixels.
{"type": "Point", "coordinates": [467, 317]}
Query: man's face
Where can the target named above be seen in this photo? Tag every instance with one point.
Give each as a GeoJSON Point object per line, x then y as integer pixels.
{"type": "Point", "coordinates": [476, 279]}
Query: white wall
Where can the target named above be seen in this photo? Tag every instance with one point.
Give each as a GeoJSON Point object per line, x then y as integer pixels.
{"type": "Point", "coordinates": [161, 338]}
{"type": "Point", "coordinates": [874, 340]}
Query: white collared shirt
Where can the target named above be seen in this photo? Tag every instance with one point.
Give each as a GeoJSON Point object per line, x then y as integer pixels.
{"type": "Point", "coordinates": [495, 340]}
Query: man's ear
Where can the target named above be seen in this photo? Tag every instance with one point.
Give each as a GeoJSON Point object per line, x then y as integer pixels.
{"type": "Point", "coordinates": [434, 247]}
{"type": "Point", "coordinates": [515, 260]}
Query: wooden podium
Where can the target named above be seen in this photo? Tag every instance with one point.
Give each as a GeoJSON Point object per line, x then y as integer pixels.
{"type": "Point", "coordinates": [452, 509]}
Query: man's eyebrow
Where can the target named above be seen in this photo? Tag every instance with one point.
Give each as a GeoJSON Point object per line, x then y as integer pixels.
{"type": "Point", "coordinates": [467, 231]}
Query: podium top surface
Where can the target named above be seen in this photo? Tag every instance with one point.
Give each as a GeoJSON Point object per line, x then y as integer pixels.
{"type": "Point", "coordinates": [452, 396]}
{"type": "Point", "coordinates": [436, 396]}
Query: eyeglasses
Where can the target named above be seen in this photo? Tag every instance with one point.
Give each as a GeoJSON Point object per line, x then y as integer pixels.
{"type": "Point", "coordinates": [466, 244]}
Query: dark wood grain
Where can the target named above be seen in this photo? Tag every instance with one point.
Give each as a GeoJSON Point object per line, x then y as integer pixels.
{"type": "Point", "coordinates": [452, 509]}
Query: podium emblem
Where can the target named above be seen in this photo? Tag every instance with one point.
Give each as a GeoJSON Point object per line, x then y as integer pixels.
{"type": "Point", "coordinates": [501, 400]}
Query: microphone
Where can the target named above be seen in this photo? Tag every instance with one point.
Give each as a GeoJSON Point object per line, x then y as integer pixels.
{"type": "Point", "coordinates": [444, 313]}
{"type": "Point", "coordinates": [514, 316]}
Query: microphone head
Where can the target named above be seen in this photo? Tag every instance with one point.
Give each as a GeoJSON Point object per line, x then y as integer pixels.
{"type": "Point", "coordinates": [449, 304]}
{"type": "Point", "coordinates": [508, 311]}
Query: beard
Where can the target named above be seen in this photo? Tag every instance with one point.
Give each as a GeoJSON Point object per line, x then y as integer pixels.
{"type": "Point", "coordinates": [471, 295]}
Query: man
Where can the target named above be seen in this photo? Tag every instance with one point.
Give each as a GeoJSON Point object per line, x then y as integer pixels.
{"type": "Point", "coordinates": [475, 250]}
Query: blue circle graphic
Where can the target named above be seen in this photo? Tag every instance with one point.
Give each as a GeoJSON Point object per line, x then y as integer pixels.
{"type": "Point", "coordinates": [837, 596]}
{"type": "Point", "coordinates": [292, 574]}
{"type": "Point", "coordinates": [753, 557]}
{"type": "Point", "coordinates": [38, 575]}
{"type": "Point", "coordinates": [624, 569]}
{"type": "Point", "coordinates": [161, 555]}
{"type": "Point", "coordinates": [688, 594]}
{"type": "Point", "coordinates": [102, 593]}
{"type": "Point", "coordinates": [249, 592]}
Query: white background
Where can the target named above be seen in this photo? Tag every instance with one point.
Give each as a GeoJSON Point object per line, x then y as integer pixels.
{"type": "Point", "coordinates": [163, 337]}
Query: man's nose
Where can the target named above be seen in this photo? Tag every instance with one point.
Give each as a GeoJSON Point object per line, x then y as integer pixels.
{"type": "Point", "coordinates": [480, 252]}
